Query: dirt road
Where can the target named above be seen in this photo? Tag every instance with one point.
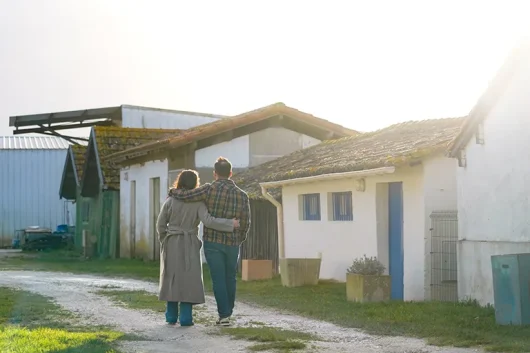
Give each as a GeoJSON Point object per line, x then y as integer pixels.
{"type": "Point", "coordinates": [77, 293]}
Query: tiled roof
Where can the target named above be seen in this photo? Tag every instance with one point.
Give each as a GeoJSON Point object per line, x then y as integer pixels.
{"type": "Point", "coordinates": [113, 139]}
{"type": "Point", "coordinates": [33, 143]}
{"type": "Point", "coordinates": [392, 146]}
{"type": "Point", "coordinates": [79, 153]}
{"type": "Point", "coordinates": [225, 125]}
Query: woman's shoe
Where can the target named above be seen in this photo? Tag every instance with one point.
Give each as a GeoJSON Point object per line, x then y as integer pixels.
{"type": "Point", "coordinates": [172, 323]}
{"type": "Point", "coordinates": [187, 324]}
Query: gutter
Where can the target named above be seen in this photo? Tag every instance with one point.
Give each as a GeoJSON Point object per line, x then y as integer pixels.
{"type": "Point", "coordinates": [329, 177]}
{"type": "Point", "coordinates": [324, 177]}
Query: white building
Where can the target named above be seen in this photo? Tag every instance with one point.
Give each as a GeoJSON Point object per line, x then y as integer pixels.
{"type": "Point", "coordinates": [372, 194]}
{"type": "Point", "coordinates": [493, 151]}
{"type": "Point", "coordinates": [246, 140]}
{"type": "Point", "coordinates": [30, 175]}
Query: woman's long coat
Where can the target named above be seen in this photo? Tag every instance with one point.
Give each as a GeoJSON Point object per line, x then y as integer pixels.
{"type": "Point", "coordinates": [180, 249]}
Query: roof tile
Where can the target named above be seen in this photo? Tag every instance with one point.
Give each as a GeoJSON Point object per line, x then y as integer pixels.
{"type": "Point", "coordinates": [79, 153]}
{"type": "Point", "coordinates": [113, 139]}
{"type": "Point", "coordinates": [392, 146]}
{"type": "Point", "coordinates": [224, 125]}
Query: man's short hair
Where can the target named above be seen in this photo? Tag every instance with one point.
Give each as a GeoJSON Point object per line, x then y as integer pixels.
{"type": "Point", "coordinates": [223, 167]}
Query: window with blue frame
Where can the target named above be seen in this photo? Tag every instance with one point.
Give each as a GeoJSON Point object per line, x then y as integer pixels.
{"type": "Point", "coordinates": [311, 207]}
{"type": "Point", "coordinates": [342, 206]}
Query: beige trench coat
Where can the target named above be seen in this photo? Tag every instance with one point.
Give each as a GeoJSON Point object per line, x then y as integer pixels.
{"type": "Point", "coordinates": [180, 249]}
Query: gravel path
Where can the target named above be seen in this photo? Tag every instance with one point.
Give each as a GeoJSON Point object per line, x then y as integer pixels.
{"type": "Point", "coordinates": [77, 294]}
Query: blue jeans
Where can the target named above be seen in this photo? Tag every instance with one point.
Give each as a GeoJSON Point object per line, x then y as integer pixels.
{"type": "Point", "coordinates": [186, 313]}
{"type": "Point", "coordinates": [222, 261]}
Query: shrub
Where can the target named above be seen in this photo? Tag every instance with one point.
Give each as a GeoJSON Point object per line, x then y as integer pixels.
{"type": "Point", "coordinates": [367, 266]}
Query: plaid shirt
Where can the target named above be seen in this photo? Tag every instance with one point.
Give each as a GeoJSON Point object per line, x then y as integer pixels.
{"type": "Point", "coordinates": [224, 200]}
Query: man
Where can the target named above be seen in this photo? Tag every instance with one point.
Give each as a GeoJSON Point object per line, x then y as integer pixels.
{"type": "Point", "coordinates": [224, 200]}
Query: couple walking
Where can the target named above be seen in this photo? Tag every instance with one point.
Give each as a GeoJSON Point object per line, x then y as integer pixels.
{"type": "Point", "coordinates": [224, 211]}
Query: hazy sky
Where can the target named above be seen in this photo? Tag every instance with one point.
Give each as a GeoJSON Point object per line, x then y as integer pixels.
{"type": "Point", "coordinates": [362, 64]}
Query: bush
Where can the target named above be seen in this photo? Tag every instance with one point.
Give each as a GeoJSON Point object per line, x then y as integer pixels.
{"type": "Point", "coordinates": [367, 266]}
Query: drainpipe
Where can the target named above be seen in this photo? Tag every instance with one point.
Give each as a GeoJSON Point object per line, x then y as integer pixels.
{"type": "Point", "coordinates": [279, 213]}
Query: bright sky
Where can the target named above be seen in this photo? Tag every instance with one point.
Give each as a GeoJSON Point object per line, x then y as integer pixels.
{"type": "Point", "coordinates": [362, 64]}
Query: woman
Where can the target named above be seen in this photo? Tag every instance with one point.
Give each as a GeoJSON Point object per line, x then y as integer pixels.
{"type": "Point", "coordinates": [180, 256]}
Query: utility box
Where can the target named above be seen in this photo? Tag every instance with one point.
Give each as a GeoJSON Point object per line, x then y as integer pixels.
{"type": "Point", "coordinates": [511, 288]}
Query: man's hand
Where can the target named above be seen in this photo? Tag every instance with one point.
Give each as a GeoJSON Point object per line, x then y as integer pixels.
{"type": "Point", "coordinates": [236, 223]}
{"type": "Point", "coordinates": [193, 195]}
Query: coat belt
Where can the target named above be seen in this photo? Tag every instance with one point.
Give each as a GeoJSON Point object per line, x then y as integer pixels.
{"type": "Point", "coordinates": [187, 243]}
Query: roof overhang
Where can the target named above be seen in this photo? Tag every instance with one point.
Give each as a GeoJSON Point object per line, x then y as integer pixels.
{"type": "Point", "coordinates": [50, 123]}
{"type": "Point", "coordinates": [89, 186]}
{"type": "Point", "coordinates": [329, 177]}
{"type": "Point", "coordinates": [491, 95]}
{"type": "Point", "coordinates": [277, 115]}
{"type": "Point", "coordinates": [64, 192]}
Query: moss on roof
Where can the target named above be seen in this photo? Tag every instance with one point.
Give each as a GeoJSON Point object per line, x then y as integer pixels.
{"type": "Point", "coordinates": [112, 139]}
{"type": "Point", "coordinates": [395, 145]}
{"type": "Point", "coordinates": [79, 152]}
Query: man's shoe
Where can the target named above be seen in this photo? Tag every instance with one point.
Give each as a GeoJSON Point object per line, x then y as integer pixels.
{"type": "Point", "coordinates": [223, 322]}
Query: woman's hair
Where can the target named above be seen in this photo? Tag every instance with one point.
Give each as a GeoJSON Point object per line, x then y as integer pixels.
{"type": "Point", "coordinates": [187, 179]}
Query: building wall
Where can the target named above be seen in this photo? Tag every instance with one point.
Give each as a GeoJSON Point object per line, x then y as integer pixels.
{"type": "Point", "coordinates": [256, 148]}
{"type": "Point", "coordinates": [267, 144]}
{"type": "Point", "coordinates": [273, 143]}
{"type": "Point", "coordinates": [144, 246]}
{"type": "Point", "coordinates": [29, 191]}
{"type": "Point", "coordinates": [439, 195]}
{"type": "Point", "coordinates": [341, 242]}
{"type": "Point", "coordinates": [493, 189]}
{"type": "Point", "coordinates": [236, 150]}
{"type": "Point", "coordinates": [153, 118]}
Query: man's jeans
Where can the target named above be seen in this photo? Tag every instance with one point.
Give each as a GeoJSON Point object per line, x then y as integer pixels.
{"type": "Point", "coordinates": [222, 261]}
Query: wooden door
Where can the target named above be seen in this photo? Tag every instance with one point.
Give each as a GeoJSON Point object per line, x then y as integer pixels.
{"type": "Point", "coordinates": [132, 219]}
{"type": "Point", "coordinates": [154, 196]}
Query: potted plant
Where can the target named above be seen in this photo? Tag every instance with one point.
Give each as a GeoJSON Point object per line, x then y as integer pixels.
{"type": "Point", "coordinates": [365, 281]}
{"type": "Point", "coordinates": [253, 270]}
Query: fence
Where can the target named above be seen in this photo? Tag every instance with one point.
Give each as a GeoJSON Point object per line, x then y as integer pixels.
{"type": "Point", "coordinates": [444, 238]}
{"type": "Point", "coordinates": [262, 241]}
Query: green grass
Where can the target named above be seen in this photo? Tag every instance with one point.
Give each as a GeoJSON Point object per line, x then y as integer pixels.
{"type": "Point", "coordinates": [72, 262]}
{"type": "Point", "coordinates": [139, 300]}
{"type": "Point", "coordinates": [270, 338]}
{"type": "Point", "coordinates": [452, 324]}
{"type": "Point", "coordinates": [444, 324]}
{"type": "Point", "coordinates": [30, 323]}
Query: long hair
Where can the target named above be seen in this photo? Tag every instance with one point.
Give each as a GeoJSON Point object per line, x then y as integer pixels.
{"type": "Point", "coordinates": [187, 179]}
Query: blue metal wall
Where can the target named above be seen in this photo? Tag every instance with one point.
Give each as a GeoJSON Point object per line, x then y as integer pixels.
{"type": "Point", "coordinates": [29, 190]}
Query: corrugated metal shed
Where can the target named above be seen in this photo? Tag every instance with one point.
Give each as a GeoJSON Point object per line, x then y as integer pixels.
{"type": "Point", "coordinates": [30, 177]}
{"type": "Point", "coordinates": [32, 143]}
